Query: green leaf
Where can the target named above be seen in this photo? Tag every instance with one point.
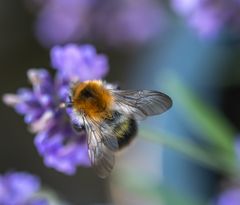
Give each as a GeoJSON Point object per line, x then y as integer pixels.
{"type": "Point", "coordinates": [201, 117]}
{"type": "Point", "coordinates": [212, 159]}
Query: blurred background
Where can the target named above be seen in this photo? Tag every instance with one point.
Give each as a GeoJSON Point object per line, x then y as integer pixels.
{"type": "Point", "coordinates": [188, 49]}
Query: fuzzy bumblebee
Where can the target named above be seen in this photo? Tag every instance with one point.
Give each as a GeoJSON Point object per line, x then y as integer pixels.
{"type": "Point", "coordinates": [109, 117]}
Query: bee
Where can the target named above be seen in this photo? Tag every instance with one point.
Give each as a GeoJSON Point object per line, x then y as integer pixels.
{"type": "Point", "coordinates": [109, 117]}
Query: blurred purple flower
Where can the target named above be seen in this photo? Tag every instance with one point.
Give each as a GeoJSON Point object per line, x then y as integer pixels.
{"type": "Point", "coordinates": [61, 147]}
{"type": "Point", "coordinates": [229, 197]}
{"type": "Point", "coordinates": [63, 21]}
{"type": "Point", "coordinates": [114, 22]}
{"type": "Point", "coordinates": [127, 21]}
{"type": "Point", "coordinates": [19, 188]}
{"type": "Point", "coordinates": [82, 63]}
{"type": "Point", "coordinates": [209, 17]}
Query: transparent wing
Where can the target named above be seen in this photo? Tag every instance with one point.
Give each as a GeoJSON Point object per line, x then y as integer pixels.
{"type": "Point", "coordinates": [100, 149]}
{"type": "Point", "coordinates": [142, 103]}
{"type": "Point", "coordinates": [103, 131]}
{"type": "Point", "coordinates": [108, 137]}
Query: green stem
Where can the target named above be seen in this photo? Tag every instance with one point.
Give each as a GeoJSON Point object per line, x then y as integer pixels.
{"type": "Point", "coordinates": [201, 117]}
{"type": "Point", "coordinates": [212, 160]}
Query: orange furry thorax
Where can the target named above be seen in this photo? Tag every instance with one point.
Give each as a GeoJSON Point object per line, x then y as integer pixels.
{"type": "Point", "coordinates": [93, 99]}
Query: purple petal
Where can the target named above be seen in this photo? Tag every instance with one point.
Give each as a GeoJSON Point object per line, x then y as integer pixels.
{"type": "Point", "coordinates": [79, 62]}
{"type": "Point", "coordinates": [16, 188]}
{"type": "Point", "coordinates": [32, 116]}
{"type": "Point", "coordinates": [209, 17]}
{"type": "Point", "coordinates": [62, 149]}
{"type": "Point", "coordinates": [62, 21]}
{"type": "Point", "coordinates": [229, 197]}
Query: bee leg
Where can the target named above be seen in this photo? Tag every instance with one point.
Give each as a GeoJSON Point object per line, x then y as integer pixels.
{"type": "Point", "coordinates": [77, 127]}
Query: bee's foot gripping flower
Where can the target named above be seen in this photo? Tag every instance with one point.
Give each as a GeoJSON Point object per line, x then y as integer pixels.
{"type": "Point", "coordinates": [61, 147]}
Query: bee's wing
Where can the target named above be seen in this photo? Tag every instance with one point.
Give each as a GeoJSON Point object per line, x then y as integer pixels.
{"type": "Point", "coordinates": [100, 149]}
{"type": "Point", "coordinates": [142, 103]}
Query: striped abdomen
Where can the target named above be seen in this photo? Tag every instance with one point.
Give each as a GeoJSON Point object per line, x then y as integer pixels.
{"type": "Point", "coordinates": [123, 127]}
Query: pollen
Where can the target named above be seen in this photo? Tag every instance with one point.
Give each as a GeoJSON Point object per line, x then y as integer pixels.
{"type": "Point", "coordinates": [92, 99]}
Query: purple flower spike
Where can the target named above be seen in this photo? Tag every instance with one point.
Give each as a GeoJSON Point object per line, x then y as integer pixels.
{"type": "Point", "coordinates": [61, 147]}
{"type": "Point", "coordinates": [128, 22]}
{"type": "Point", "coordinates": [38, 112]}
{"type": "Point", "coordinates": [20, 188]}
{"type": "Point", "coordinates": [62, 21]}
{"type": "Point", "coordinates": [65, 150]}
{"type": "Point", "coordinates": [209, 17]}
{"type": "Point", "coordinates": [79, 63]}
{"type": "Point", "coordinates": [116, 23]}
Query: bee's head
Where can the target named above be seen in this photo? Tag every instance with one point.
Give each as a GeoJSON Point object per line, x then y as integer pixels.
{"type": "Point", "coordinates": [90, 97]}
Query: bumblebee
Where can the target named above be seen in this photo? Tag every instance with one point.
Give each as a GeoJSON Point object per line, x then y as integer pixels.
{"type": "Point", "coordinates": [109, 116]}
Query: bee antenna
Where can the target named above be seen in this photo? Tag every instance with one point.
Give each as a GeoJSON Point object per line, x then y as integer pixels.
{"type": "Point", "coordinates": [64, 105]}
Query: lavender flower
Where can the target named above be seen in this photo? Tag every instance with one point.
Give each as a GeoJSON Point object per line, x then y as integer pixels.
{"type": "Point", "coordinates": [128, 22]}
{"type": "Point", "coordinates": [20, 188]}
{"type": "Point", "coordinates": [79, 63]}
{"type": "Point", "coordinates": [229, 197]}
{"type": "Point", "coordinates": [61, 147]}
{"type": "Point", "coordinates": [209, 17]}
{"type": "Point", "coordinates": [63, 21]}
{"type": "Point", "coordinates": [114, 22]}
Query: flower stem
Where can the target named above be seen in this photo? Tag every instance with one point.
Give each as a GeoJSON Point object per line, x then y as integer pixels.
{"type": "Point", "coordinates": [202, 118]}
{"type": "Point", "coordinates": [210, 159]}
